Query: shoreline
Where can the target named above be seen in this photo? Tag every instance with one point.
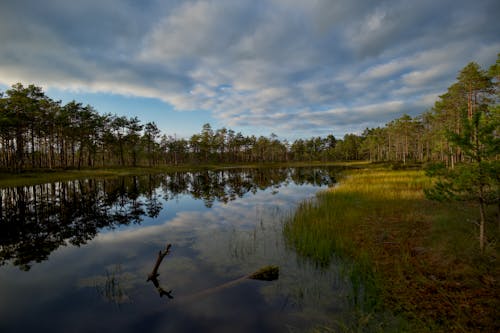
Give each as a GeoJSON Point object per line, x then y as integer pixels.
{"type": "Point", "coordinates": [33, 177]}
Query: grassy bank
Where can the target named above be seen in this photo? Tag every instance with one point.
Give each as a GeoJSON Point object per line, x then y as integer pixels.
{"type": "Point", "coordinates": [419, 258]}
{"type": "Point", "coordinates": [47, 176]}
{"type": "Point", "coordinates": [31, 177]}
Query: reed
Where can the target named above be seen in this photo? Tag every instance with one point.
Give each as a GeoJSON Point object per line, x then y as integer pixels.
{"type": "Point", "coordinates": [413, 256]}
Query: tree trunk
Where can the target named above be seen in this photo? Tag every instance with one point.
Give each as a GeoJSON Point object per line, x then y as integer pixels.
{"type": "Point", "coordinates": [19, 150]}
{"type": "Point", "coordinates": [481, 224]}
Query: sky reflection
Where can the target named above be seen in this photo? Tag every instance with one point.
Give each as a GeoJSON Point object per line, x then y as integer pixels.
{"type": "Point", "coordinates": [101, 285]}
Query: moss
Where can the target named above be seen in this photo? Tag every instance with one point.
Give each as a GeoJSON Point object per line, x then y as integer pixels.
{"type": "Point", "coordinates": [266, 273]}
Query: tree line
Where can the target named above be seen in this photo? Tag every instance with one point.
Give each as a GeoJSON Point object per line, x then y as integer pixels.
{"type": "Point", "coordinates": [431, 136]}
{"type": "Point", "coordinates": [38, 132]}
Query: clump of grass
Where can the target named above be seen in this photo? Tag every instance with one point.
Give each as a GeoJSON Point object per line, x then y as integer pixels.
{"type": "Point", "coordinates": [417, 257]}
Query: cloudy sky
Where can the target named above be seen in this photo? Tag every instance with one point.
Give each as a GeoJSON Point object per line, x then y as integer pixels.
{"type": "Point", "coordinates": [293, 67]}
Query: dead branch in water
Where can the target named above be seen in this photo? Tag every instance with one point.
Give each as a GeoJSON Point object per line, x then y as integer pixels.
{"type": "Point", "coordinates": [266, 273]}
{"type": "Point", "coordinates": [153, 276]}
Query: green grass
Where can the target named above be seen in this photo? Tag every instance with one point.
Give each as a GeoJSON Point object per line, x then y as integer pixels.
{"type": "Point", "coordinates": [419, 258]}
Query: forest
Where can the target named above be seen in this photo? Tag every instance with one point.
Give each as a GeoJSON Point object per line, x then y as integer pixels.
{"type": "Point", "coordinates": [37, 132]}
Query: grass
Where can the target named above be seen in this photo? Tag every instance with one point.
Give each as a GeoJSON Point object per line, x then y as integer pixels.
{"type": "Point", "coordinates": [419, 258]}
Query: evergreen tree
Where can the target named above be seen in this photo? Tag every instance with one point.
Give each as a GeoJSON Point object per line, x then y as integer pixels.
{"type": "Point", "coordinates": [476, 179]}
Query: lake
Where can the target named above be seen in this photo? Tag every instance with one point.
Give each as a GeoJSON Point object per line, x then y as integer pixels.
{"type": "Point", "coordinates": [75, 256]}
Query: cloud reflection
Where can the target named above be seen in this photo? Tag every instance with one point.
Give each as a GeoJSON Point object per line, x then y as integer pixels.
{"type": "Point", "coordinates": [210, 246]}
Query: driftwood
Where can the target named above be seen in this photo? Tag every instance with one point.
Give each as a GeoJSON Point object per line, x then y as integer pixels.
{"type": "Point", "coordinates": [266, 273]}
{"type": "Point", "coordinates": [153, 276]}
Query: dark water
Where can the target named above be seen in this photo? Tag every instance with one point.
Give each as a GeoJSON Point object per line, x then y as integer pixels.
{"type": "Point", "coordinates": [75, 255]}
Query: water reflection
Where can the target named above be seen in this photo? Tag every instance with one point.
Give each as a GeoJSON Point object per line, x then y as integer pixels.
{"type": "Point", "coordinates": [265, 273]}
{"type": "Point", "coordinates": [110, 287]}
{"type": "Point", "coordinates": [102, 285]}
{"type": "Point", "coordinates": [36, 220]}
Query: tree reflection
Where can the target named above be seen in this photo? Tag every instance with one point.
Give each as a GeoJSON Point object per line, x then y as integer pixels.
{"type": "Point", "coordinates": [36, 220]}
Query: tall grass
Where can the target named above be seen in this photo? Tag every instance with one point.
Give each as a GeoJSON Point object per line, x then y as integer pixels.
{"type": "Point", "coordinates": [416, 257]}
{"type": "Point", "coordinates": [338, 219]}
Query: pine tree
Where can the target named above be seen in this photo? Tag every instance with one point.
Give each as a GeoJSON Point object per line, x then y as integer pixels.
{"type": "Point", "coordinates": [476, 179]}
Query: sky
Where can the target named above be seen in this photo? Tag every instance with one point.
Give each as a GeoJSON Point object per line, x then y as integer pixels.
{"type": "Point", "coordinates": [294, 68]}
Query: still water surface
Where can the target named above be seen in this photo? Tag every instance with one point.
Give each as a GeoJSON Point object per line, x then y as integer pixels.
{"type": "Point", "coordinates": [75, 255]}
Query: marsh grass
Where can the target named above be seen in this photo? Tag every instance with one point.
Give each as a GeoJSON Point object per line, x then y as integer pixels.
{"type": "Point", "coordinates": [416, 257]}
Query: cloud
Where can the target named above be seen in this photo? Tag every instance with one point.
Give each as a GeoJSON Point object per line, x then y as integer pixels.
{"type": "Point", "coordinates": [421, 77]}
{"type": "Point", "coordinates": [276, 64]}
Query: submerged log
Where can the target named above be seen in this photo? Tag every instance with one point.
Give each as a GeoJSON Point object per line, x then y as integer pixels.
{"type": "Point", "coordinates": [266, 273]}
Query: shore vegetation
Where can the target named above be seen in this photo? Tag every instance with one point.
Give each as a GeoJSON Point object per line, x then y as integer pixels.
{"type": "Point", "coordinates": [416, 257]}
